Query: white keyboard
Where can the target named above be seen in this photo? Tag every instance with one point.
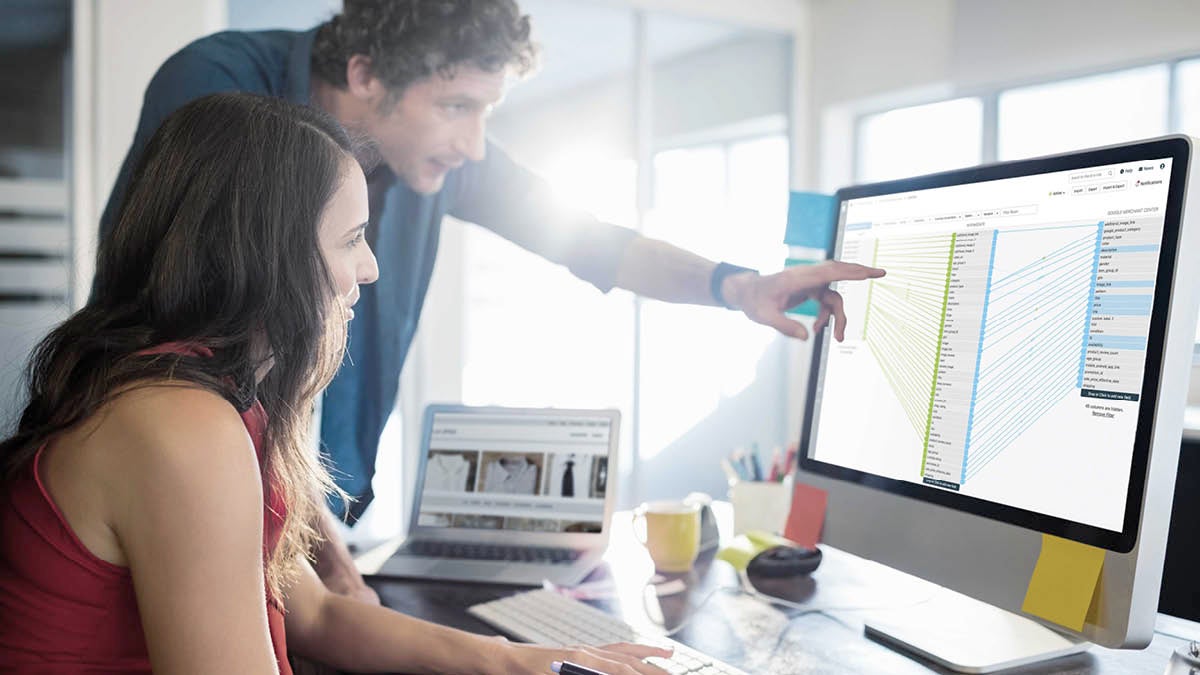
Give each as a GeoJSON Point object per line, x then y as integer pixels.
{"type": "Point", "coordinates": [547, 618]}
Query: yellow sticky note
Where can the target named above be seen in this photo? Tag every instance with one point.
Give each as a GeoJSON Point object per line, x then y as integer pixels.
{"type": "Point", "coordinates": [1064, 581]}
{"type": "Point", "coordinates": [739, 552]}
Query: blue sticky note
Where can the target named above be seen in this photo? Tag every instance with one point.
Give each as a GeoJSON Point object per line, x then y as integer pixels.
{"type": "Point", "coordinates": [811, 219]}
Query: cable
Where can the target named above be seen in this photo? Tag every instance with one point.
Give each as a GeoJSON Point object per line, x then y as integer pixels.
{"type": "Point", "coordinates": [692, 612]}
{"type": "Point", "coordinates": [749, 589]}
{"type": "Point", "coordinates": [746, 588]}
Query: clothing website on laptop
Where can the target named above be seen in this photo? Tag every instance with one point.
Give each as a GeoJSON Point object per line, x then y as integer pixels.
{"type": "Point", "coordinates": [516, 472]}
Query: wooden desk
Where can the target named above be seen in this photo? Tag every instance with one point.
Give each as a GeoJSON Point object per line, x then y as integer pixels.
{"type": "Point", "coordinates": [757, 637]}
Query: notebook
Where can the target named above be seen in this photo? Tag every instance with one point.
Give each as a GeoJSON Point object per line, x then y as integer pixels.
{"type": "Point", "coordinates": [510, 495]}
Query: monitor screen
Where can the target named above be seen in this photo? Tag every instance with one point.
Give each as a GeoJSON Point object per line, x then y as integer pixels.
{"type": "Point", "coordinates": [519, 471]}
{"type": "Point", "coordinates": [1002, 364]}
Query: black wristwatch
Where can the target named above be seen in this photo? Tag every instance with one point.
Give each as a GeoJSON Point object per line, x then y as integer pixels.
{"type": "Point", "coordinates": [719, 273]}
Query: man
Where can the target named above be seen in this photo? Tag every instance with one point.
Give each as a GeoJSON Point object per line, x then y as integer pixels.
{"type": "Point", "coordinates": [418, 79]}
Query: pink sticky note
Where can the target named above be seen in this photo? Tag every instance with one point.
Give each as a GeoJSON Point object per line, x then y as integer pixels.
{"type": "Point", "coordinates": [807, 515]}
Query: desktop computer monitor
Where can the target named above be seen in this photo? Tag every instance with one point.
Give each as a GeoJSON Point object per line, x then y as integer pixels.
{"type": "Point", "coordinates": [1022, 369]}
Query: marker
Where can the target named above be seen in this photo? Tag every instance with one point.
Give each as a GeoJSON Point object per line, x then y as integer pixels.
{"type": "Point", "coordinates": [790, 460]}
{"type": "Point", "coordinates": [776, 473]}
{"type": "Point", "coordinates": [568, 668]}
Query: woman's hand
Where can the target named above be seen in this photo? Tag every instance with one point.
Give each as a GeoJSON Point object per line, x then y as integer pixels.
{"type": "Point", "coordinates": [617, 659]}
{"type": "Point", "coordinates": [334, 564]}
{"type": "Point", "coordinates": [349, 582]}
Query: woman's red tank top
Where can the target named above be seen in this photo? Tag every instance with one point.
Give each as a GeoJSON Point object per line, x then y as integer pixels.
{"type": "Point", "coordinates": [64, 610]}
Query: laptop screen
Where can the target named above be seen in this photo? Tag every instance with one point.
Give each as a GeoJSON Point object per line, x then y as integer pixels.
{"type": "Point", "coordinates": [522, 470]}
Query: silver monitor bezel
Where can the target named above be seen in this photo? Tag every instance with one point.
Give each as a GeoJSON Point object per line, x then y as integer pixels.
{"type": "Point", "coordinates": [991, 559]}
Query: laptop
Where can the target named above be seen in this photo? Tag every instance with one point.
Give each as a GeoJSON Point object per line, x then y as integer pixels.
{"type": "Point", "coordinates": [510, 495]}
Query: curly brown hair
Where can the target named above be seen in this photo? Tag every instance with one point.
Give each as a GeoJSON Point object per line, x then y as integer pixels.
{"type": "Point", "coordinates": [409, 40]}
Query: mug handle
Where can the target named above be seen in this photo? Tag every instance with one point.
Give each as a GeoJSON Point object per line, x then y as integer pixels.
{"type": "Point", "coordinates": [639, 524]}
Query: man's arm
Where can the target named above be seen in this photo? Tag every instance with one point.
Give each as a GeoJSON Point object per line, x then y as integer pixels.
{"type": "Point", "coordinates": [656, 269]}
{"type": "Point", "coordinates": [508, 199]}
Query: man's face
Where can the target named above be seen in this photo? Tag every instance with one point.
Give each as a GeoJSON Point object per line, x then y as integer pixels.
{"type": "Point", "coordinates": [438, 123]}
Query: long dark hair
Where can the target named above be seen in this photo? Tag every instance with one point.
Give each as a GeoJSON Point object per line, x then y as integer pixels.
{"type": "Point", "coordinates": [216, 245]}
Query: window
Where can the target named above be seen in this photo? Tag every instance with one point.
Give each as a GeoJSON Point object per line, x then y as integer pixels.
{"type": "Point", "coordinates": [920, 139]}
{"type": "Point", "coordinates": [724, 201]}
{"type": "Point", "coordinates": [1080, 113]}
{"type": "Point", "coordinates": [519, 352]}
{"type": "Point", "coordinates": [1187, 95]}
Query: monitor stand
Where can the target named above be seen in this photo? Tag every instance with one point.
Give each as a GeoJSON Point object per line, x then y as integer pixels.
{"type": "Point", "coordinates": [969, 636]}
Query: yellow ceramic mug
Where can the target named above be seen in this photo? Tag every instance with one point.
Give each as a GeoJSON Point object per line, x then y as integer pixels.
{"type": "Point", "coordinates": [670, 531]}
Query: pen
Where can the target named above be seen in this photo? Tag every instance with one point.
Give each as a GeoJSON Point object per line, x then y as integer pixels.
{"type": "Point", "coordinates": [568, 668]}
{"type": "Point", "coordinates": [756, 465]}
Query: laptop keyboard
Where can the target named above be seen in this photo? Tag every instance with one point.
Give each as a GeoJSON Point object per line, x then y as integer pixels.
{"type": "Point", "coordinates": [476, 551]}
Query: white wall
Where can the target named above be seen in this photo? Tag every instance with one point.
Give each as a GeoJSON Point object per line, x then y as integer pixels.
{"type": "Point", "coordinates": [118, 45]}
{"type": "Point", "coordinates": [289, 14]}
{"type": "Point", "coordinates": [872, 54]}
{"type": "Point", "coordinates": [739, 80]}
{"type": "Point", "coordinates": [775, 15]}
{"type": "Point", "coordinates": [744, 79]}
{"type": "Point", "coordinates": [999, 42]}
{"type": "Point", "coordinates": [862, 47]}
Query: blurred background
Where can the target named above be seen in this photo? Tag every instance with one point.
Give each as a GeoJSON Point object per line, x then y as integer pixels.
{"type": "Point", "coordinates": [686, 119]}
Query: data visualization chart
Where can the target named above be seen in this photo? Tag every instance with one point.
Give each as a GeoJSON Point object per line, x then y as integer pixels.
{"type": "Point", "coordinates": [980, 333]}
{"type": "Point", "coordinates": [903, 318]}
{"type": "Point", "coordinates": [1034, 324]}
{"type": "Point", "coordinates": [1004, 354]}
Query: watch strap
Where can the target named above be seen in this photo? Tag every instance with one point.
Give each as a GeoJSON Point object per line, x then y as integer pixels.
{"type": "Point", "coordinates": [722, 270]}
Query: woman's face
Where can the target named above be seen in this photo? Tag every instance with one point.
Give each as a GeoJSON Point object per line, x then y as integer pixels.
{"type": "Point", "coordinates": [342, 237]}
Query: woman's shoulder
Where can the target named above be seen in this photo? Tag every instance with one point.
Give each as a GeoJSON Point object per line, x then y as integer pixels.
{"type": "Point", "coordinates": [150, 428]}
{"type": "Point", "coordinates": [148, 448]}
{"type": "Point", "coordinates": [167, 410]}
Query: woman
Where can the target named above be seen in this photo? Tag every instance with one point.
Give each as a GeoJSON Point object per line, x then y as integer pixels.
{"type": "Point", "coordinates": [158, 493]}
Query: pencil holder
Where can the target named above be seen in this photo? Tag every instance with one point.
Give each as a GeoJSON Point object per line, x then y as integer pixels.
{"type": "Point", "coordinates": [760, 505]}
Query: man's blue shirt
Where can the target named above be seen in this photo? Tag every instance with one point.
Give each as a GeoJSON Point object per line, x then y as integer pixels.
{"type": "Point", "coordinates": [404, 227]}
